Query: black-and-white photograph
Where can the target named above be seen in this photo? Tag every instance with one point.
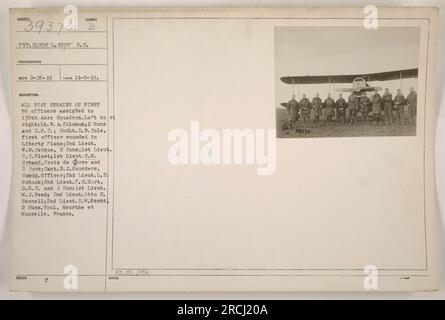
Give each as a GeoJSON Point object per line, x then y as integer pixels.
{"type": "Point", "coordinates": [346, 81]}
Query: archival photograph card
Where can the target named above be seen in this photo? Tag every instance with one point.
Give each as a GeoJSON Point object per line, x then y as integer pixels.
{"type": "Point", "coordinates": [266, 149]}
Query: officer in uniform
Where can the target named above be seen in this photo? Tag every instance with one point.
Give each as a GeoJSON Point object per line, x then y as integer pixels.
{"type": "Point", "coordinates": [387, 106]}
{"type": "Point", "coordinates": [316, 107]}
{"type": "Point", "coordinates": [329, 104]}
{"type": "Point", "coordinates": [411, 99]}
{"type": "Point", "coordinates": [305, 105]}
{"type": "Point", "coordinates": [352, 107]}
{"type": "Point", "coordinates": [341, 108]}
{"type": "Point", "coordinates": [292, 109]}
{"type": "Point", "coordinates": [377, 107]}
{"type": "Point", "coordinates": [399, 106]}
{"type": "Point", "coordinates": [364, 106]}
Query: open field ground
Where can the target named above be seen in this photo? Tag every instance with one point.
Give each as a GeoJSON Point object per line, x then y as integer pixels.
{"type": "Point", "coordinates": [337, 129]}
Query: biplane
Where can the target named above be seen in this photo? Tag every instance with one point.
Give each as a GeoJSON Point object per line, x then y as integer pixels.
{"type": "Point", "coordinates": [360, 82]}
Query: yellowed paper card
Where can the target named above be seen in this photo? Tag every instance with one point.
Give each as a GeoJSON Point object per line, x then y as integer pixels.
{"type": "Point", "coordinates": [278, 149]}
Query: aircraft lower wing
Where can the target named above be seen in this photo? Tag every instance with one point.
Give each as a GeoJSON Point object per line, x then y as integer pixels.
{"type": "Point", "coordinates": [363, 89]}
{"type": "Point", "coordinates": [344, 90]}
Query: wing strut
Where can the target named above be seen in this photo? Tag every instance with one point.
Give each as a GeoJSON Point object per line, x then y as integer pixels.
{"type": "Point", "coordinates": [401, 81]}
{"type": "Point", "coordinates": [330, 91]}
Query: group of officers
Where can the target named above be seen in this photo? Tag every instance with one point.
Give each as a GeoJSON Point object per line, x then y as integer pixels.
{"type": "Point", "coordinates": [378, 109]}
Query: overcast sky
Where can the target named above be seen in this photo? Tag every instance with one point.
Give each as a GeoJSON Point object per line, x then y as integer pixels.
{"type": "Point", "coordinates": [301, 51]}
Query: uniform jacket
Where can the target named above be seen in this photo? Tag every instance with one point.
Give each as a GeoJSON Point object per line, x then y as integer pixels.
{"type": "Point", "coordinates": [329, 103]}
{"type": "Point", "coordinates": [305, 103]}
{"type": "Point", "coordinates": [292, 105]}
{"type": "Point", "coordinates": [387, 99]}
{"type": "Point", "coordinates": [341, 104]}
{"type": "Point", "coordinates": [376, 99]}
{"type": "Point", "coordinates": [317, 104]}
{"type": "Point", "coordinates": [399, 100]}
{"type": "Point", "coordinates": [412, 99]}
{"type": "Point", "coordinates": [376, 103]}
{"type": "Point", "coordinates": [352, 102]}
{"type": "Point", "coordinates": [364, 103]}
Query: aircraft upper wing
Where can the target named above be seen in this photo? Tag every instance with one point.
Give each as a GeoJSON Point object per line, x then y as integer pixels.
{"type": "Point", "coordinates": [380, 76]}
